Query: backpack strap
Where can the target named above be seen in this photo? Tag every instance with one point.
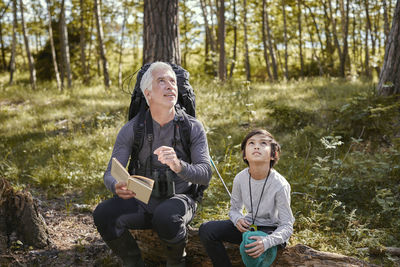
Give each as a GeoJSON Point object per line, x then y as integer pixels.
{"type": "Point", "coordinates": [138, 132]}
{"type": "Point", "coordinates": [185, 130]}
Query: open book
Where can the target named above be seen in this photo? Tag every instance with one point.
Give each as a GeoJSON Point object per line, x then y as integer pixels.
{"type": "Point", "coordinates": [140, 185]}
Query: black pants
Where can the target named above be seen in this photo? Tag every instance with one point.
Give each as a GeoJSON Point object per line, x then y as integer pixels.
{"type": "Point", "coordinates": [168, 217]}
{"type": "Point", "coordinates": [213, 233]}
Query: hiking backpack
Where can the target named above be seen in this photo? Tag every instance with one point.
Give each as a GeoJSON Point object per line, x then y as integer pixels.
{"type": "Point", "coordinates": [185, 105]}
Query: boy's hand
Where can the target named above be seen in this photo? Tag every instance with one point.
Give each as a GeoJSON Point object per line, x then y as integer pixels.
{"type": "Point", "coordinates": [166, 155]}
{"type": "Point", "coordinates": [257, 247]}
{"type": "Point", "coordinates": [242, 225]}
{"type": "Point", "coordinates": [122, 191]}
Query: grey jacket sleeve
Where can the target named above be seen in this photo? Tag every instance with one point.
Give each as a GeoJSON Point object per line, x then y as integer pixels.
{"type": "Point", "coordinates": [199, 171]}
{"type": "Point", "coordinates": [122, 151]}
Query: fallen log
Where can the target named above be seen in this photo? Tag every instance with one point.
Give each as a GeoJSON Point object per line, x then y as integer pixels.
{"type": "Point", "coordinates": [381, 251]}
{"type": "Point", "coordinates": [298, 255]}
{"type": "Point", "coordinates": [19, 217]}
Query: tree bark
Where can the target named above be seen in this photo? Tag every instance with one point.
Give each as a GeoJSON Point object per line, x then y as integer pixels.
{"type": "Point", "coordinates": [270, 45]}
{"type": "Point", "coordinates": [100, 38]}
{"type": "Point", "coordinates": [3, 53]}
{"type": "Point", "coordinates": [210, 40]}
{"type": "Point", "coordinates": [32, 70]}
{"type": "Point", "coordinates": [386, 21]}
{"type": "Point", "coordinates": [322, 49]}
{"type": "Point", "coordinates": [264, 40]}
{"type": "Point", "coordinates": [14, 42]}
{"type": "Point", "coordinates": [366, 43]}
{"type": "Point", "coordinates": [233, 63]}
{"type": "Point", "coordinates": [121, 48]}
{"type": "Point", "coordinates": [66, 66]}
{"type": "Point", "coordinates": [19, 214]}
{"type": "Point", "coordinates": [185, 40]}
{"type": "Point", "coordinates": [299, 255]}
{"type": "Point", "coordinates": [299, 10]}
{"type": "Point", "coordinates": [389, 80]}
{"type": "Point", "coordinates": [90, 45]}
{"type": "Point", "coordinates": [246, 45]}
{"type": "Point", "coordinates": [161, 31]}
{"type": "Point", "coordinates": [221, 41]}
{"type": "Point", "coordinates": [53, 50]}
{"type": "Point", "coordinates": [285, 39]}
{"type": "Point", "coordinates": [82, 43]}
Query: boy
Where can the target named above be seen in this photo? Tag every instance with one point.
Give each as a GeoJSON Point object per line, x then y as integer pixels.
{"type": "Point", "coordinates": [266, 196]}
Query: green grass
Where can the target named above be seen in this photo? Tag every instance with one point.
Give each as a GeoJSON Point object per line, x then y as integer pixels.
{"type": "Point", "coordinates": [341, 150]}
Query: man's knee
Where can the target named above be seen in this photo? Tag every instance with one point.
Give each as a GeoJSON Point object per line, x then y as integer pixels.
{"type": "Point", "coordinates": [169, 226]}
{"type": "Point", "coordinates": [99, 216]}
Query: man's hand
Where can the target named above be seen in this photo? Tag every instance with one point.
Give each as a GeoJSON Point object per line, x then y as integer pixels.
{"type": "Point", "coordinates": [166, 155]}
{"type": "Point", "coordinates": [122, 191]}
{"type": "Point", "coordinates": [242, 225]}
{"type": "Point", "coordinates": [257, 247]}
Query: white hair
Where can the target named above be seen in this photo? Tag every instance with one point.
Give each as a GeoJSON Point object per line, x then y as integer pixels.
{"type": "Point", "coordinates": [147, 79]}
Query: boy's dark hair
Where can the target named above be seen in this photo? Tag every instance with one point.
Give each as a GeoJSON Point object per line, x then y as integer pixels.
{"type": "Point", "coordinates": [275, 147]}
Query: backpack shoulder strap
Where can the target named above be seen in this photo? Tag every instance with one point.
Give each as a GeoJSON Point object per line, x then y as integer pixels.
{"type": "Point", "coordinates": [185, 130]}
{"type": "Point", "coordinates": [138, 133]}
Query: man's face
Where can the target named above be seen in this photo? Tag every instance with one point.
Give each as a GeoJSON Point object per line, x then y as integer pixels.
{"type": "Point", "coordinates": [164, 89]}
{"type": "Point", "coordinates": [258, 149]}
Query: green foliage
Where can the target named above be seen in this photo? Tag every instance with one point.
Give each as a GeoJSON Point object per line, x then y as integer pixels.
{"type": "Point", "coordinates": [340, 150]}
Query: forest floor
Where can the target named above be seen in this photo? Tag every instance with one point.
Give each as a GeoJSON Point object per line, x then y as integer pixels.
{"type": "Point", "coordinates": [74, 239]}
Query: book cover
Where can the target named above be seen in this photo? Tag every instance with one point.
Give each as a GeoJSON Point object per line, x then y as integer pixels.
{"type": "Point", "coordinates": [140, 185]}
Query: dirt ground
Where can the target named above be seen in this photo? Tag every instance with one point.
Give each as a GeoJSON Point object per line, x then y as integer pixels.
{"type": "Point", "coordinates": [74, 239]}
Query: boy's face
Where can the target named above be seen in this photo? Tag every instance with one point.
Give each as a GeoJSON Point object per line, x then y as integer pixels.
{"type": "Point", "coordinates": [258, 149]}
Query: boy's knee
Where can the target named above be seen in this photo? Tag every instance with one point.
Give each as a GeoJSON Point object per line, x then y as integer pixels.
{"type": "Point", "coordinates": [205, 232]}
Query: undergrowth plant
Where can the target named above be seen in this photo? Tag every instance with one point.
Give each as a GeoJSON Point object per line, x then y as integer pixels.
{"type": "Point", "coordinates": [340, 150]}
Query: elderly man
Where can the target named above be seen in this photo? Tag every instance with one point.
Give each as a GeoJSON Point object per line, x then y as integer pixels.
{"type": "Point", "coordinates": [171, 206]}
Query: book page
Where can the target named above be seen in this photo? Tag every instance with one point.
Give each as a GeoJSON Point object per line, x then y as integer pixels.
{"type": "Point", "coordinates": [118, 171]}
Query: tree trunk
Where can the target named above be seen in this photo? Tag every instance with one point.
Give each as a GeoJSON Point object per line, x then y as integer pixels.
{"type": "Point", "coordinates": [32, 70]}
{"type": "Point", "coordinates": [185, 41]}
{"type": "Point", "coordinates": [66, 66]}
{"type": "Point", "coordinates": [321, 71]}
{"type": "Point", "coordinates": [386, 21]}
{"type": "Point", "coordinates": [366, 43]}
{"type": "Point", "coordinates": [53, 51]}
{"type": "Point", "coordinates": [3, 56]}
{"type": "Point", "coordinates": [299, 10]}
{"type": "Point", "coordinates": [121, 48]}
{"type": "Point", "coordinates": [389, 80]}
{"type": "Point", "coordinates": [221, 41]}
{"type": "Point", "coordinates": [344, 10]}
{"type": "Point", "coordinates": [82, 43]}
{"type": "Point", "coordinates": [233, 63]}
{"type": "Point", "coordinates": [3, 53]}
{"type": "Point", "coordinates": [100, 38]}
{"type": "Point", "coordinates": [90, 46]}
{"type": "Point", "coordinates": [161, 31]}
{"type": "Point", "coordinates": [246, 45]}
{"type": "Point", "coordinates": [19, 214]}
{"type": "Point", "coordinates": [264, 40]}
{"type": "Point", "coordinates": [299, 255]}
{"type": "Point", "coordinates": [270, 46]}
{"type": "Point", "coordinates": [210, 41]}
{"type": "Point", "coordinates": [285, 39]}
{"type": "Point", "coordinates": [330, 48]}
{"type": "Point", "coordinates": [14, 42]}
